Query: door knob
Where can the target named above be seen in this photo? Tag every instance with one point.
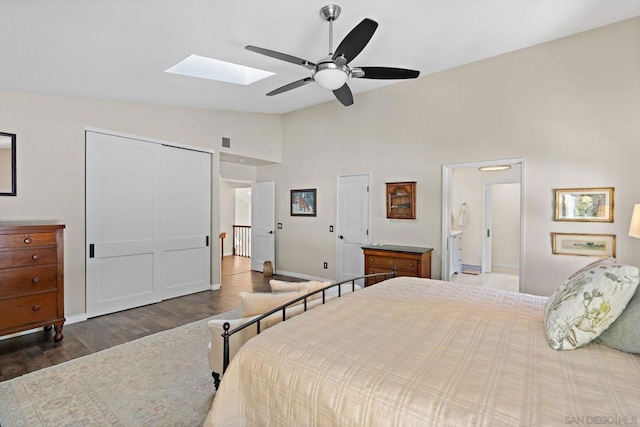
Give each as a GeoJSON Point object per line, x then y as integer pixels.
{"type": "Point", "coordinates": [341, 236]}
{"type": "Point", "coordinates": [270, 231]}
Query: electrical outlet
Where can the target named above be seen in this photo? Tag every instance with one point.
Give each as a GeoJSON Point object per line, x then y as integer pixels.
{"type": "Point", "coordinates": [325, 265]}
{"type": "Point", "coordinates": [331, 229]}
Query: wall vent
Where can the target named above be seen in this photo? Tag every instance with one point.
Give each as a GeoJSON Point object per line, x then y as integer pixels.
{"type": "Point", "coordinates": [226, 142]}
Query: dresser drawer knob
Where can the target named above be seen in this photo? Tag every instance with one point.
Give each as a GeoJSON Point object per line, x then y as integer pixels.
{"type": "Point", "coordinates": [27, 240]}
{"type": "Point", "coordinates": [35, 279]}
{"type": "Point", "coordinates": [411, 264]}
{"type": "Point", "coordinates": [36, 307]}
{"type": "Point", "coordinates": [35, 257]}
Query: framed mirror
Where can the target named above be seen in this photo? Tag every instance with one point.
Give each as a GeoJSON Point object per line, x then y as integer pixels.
{"type": "Point", "coordinates": [7, 164]}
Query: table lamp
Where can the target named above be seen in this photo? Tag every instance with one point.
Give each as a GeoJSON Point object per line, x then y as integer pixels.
{"type": "Point", "coordinates": [634, 228]}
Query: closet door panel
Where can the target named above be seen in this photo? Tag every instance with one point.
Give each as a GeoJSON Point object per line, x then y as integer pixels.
{"type": "Point", "coordinates": [121, 249]}
{"type": "Point", "coordinates": [185, 206]}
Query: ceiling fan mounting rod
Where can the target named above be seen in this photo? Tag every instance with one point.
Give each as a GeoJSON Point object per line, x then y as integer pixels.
{"type": "Point", "coordinates": [331, 37]}
{"type": "Point", "coordinates": [330, 13]}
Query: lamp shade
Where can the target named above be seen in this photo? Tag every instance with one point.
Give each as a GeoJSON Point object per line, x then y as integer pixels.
{"type": "Point", "coordinates": [634, 229]}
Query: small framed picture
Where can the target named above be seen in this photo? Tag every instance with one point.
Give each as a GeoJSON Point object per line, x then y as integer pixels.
{"type": "Point", "coordinates": [303, 202]}
{"type": "Point", "coordinates": [584, 204]}
{"type": "Point", "coordinates": [594, 245]}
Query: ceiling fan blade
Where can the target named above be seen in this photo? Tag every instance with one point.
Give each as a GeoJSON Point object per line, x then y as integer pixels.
{"type": "Point", "coordinates": [282, 56]}
{"type": "Point", "coordinates": [344, 95]}
{"type": "Point", "coordinates": [356, 40]}
{"type": "Point", "coordinates": [290, 86]}
{"type": "Point", "coordinates": [384, 73]}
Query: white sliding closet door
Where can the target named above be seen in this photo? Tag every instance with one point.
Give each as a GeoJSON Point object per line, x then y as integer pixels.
{"type": "Point", "coordinates": [185, 203]}
{"type": "Point", "coordinates": [148, 221]}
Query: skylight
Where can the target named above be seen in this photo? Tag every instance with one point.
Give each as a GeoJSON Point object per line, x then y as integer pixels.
{"type": "Point", "coordinates": [214, 69]}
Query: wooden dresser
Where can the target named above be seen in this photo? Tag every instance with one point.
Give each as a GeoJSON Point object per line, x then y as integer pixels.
{"type": "Point", "coordinates": [407, 260]}
{"type": "Point", "coordinates": [31, 277]}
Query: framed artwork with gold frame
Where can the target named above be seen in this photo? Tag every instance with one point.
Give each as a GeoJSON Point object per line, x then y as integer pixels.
{"type": "Point", "coordinates": [584, 204]}
{"type": "Point", "coordinates": [594, 245]}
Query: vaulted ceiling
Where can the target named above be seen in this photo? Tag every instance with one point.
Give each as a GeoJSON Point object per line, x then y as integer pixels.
{"type": "Point", "coordinates": [119, 49]}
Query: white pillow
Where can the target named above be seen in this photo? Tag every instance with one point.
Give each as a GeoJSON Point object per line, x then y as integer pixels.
{"type": "Point", "coordinates": [588, 302]}
{"type": "Point", "coordinates": [256, 303]}
{"type": "Point", "coordinates": [307, 287]}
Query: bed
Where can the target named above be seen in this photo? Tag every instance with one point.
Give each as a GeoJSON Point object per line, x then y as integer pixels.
{"type": "Point", "coordinates": [411, 351]}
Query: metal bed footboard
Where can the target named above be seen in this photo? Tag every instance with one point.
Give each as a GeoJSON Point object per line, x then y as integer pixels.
{"type": "Point", "coordinates": [378, 277]}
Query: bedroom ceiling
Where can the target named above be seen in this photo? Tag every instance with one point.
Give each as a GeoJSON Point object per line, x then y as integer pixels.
{"type": "Point", "coordinates": [119, 49]}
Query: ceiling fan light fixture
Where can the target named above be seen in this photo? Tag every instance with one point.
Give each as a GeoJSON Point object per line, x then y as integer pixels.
{"type": "Point", "coordinates": [331, 76]}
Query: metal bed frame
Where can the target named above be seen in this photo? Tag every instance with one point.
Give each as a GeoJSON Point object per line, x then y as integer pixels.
{"type": "Point", "coordinates": [375, 278]}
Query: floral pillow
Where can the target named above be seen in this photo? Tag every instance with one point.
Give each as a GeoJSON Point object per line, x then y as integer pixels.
{"type": "Point", "coordinates": [587, 303]}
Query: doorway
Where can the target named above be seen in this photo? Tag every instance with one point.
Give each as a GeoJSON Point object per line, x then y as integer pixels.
{"type": "Point", "coordinates": [467, 217]}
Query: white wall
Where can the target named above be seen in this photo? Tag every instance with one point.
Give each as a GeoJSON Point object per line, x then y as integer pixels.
{"type": "Point", "coordinates": [505, 230]}
{"type": "Point", "coordinates": [570, 107]}
{"type": "Point", "coordinates": [50, 147]}
{"type": "Point", "coordinates": [243, 206]}
{"type": "Point", "coordinates": [238, 172]}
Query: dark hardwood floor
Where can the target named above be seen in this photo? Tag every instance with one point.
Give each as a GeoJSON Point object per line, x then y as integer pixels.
{"type": "Point", "coordinates": [27, 353]}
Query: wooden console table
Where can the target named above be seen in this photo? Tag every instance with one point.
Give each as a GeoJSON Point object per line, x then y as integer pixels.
{"type": "Point", "coordinates": [407, 260]}
{"type": "Point", "coordinates": [31, 277]}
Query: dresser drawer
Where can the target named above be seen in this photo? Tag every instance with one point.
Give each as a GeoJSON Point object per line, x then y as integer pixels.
{"type": "Point", "coordinates": [25, 280]}
{"type": "Point", "coordinates": [388, 263]}
{"type": "Point", "coordinates": [27, 310]}
{"type": "Point", "coordinates": [24, 240]}
{"type": "Point", "coordinates": [403, 273]}
{"type": "Point", "coordinates": [28, 257]}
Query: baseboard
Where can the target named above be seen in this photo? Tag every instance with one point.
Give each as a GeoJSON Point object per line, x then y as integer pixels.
{"type": "Point", "coordinates": [301, 276]}
{"type": "Point", "coordinates": [513, 266]}
{"type": "Point", "coordinates": [69, 320]}
{"type": "Point", "coordinates": [215, 287]}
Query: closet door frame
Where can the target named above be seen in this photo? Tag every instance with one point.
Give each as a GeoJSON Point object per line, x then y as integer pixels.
{"type": "Point", "coordinates": [157, 147]}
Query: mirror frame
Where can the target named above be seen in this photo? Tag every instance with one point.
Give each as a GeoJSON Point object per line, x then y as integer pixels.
{"type": "Point", "coordinates": [13, 164]}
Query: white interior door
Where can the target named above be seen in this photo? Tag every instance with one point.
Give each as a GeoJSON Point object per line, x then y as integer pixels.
{"type": "Point", "coordinates": [353, 225]}
{"type": "Point", "coordinates": [148, 220]}
{"type": "Point", "coordinates": [263, 219]}
{"type": "Point", "coordinates": [122, 257]}
{"type": "Point", "coordinates": [185, 206]}
{"type": "Point", "coordinates": [487, 226]}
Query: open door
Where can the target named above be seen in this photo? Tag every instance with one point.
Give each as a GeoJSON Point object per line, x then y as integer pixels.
{"type": "Point", "coordinates": [263, 218]}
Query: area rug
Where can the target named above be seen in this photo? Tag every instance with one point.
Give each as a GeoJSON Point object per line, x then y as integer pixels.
{"type": "Point", "coordinates": [159, 380]}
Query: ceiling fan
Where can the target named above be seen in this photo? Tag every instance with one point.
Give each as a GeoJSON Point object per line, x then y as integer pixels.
{"type": "Point", "coordinates": [332, 71]}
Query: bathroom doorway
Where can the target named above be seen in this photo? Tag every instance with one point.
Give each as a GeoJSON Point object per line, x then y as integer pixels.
{"type": "Point", "coordinates": [481, 199]}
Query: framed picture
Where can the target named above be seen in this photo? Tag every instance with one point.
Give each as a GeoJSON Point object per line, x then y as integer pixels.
{"type": "Point", "coordinates": [595, 245]}
{"type": "Point", "coordinates": [303, 202]}
{"type": "Point", "coordinates": [584, 204]}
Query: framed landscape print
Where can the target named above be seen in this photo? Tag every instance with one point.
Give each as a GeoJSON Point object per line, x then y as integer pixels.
{"type": "Point", "coordinates": [303, 202]}
{"type": "Point", "coordinates": [584, 204]}
{"type": "Point", "coordinates": [595, 245]}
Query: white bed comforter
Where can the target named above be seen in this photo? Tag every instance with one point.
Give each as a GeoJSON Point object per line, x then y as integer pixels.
{"type": "Point", "coordinates": [426, 353]}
